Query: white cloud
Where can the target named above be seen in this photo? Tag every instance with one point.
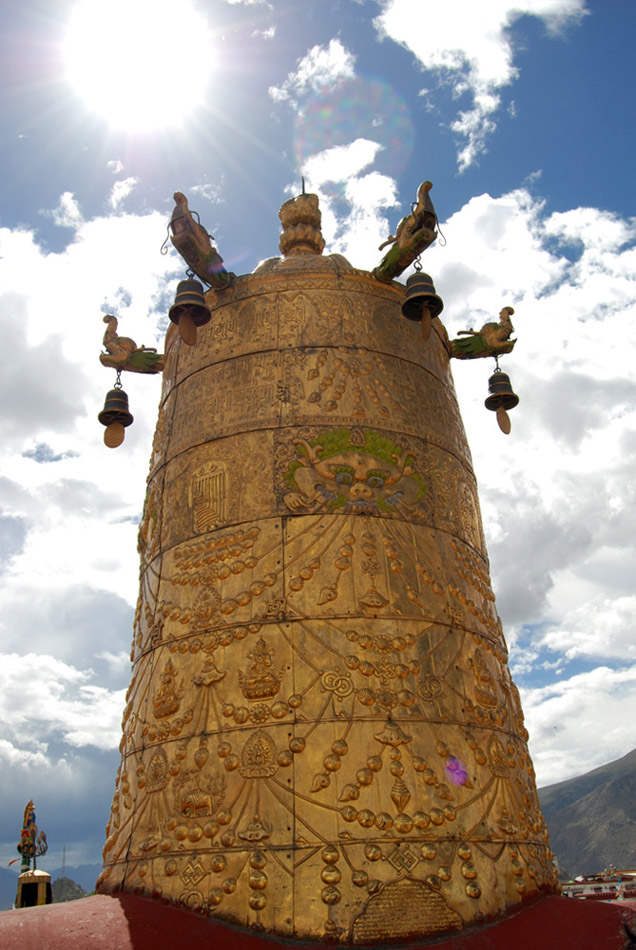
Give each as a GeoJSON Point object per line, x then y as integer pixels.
{"type": "Point", "coordinates": [211, 191]}
{"type": "Point", "coordinates": [470, 47]}
{"type": "Point", "coordinates": [118, 662]}
{"type": "Point", "coordinates": [115, 166]}
{"type": "Point", "coordinates": [14, 757]}
{"type": "Point", "coordinates": [602, 627]}
{"type": "Point", "coordinates": [322, 67]}
{"type": "Point", "coordinates": [120, 191]}
{"type": "Point", "coordinates": [335, 175]}
{"type": "Point", "coordinates": [69, 568]}
{"type": "Point", "coordinates": [74, 519]}
{"type": "Point", "coordinates": [67, 214]}
{"type": "Point", "coordinates": [368, 196]}
{"type": "Point", "coordinates": [39, 382]}
{"type": "Point", "coordinates": [340, 162]}
{"type": "Point", "coordinates": [74, 622]}
{"type": "Point", "coordinates": [114, 256]}
{"type": "Point", "coordinates": [54, 698]}
{"type": "Point", "coordinates": [579, 723]}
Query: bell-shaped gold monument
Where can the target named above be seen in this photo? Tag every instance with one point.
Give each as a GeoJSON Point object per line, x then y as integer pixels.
{"type": "Point", "coordinates": [322, 739]}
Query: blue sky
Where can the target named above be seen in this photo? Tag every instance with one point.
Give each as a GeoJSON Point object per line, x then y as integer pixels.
{"type": "Point", "coordinates": [521, 114]}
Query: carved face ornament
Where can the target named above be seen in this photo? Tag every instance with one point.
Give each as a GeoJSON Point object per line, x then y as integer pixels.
{"type": "Point", "coordinates": [356, 482]}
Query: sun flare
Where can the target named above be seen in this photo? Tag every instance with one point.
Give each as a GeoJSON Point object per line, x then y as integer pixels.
{"type": "Point", "coordinates": [141, 64]}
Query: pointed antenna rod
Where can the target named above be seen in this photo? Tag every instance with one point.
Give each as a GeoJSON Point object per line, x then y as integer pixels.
{"type": "Point", "coordinates": [302, 178]}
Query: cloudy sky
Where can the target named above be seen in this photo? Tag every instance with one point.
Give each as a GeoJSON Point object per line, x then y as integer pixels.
{"type": "Point", "coordinates": [522, 115]}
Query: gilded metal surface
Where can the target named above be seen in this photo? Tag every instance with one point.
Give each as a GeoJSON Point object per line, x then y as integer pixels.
{"type": "Point", "coordinates": [322, 738]}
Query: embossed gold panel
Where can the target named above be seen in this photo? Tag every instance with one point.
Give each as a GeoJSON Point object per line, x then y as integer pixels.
{"type": "Point", "coordinates": [322, 738]}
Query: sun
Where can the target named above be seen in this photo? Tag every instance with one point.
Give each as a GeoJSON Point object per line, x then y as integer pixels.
{"type": "Point", "coordinates": [143, 65]}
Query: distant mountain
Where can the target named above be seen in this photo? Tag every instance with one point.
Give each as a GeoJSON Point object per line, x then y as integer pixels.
{"type": "Point", "coordinates": [592, 818]}
{"type": "Point", "coordinates": [8, 887]}
{"type": "Point", "coordinates": [84, 874]}
{"type": "Point", "coordinates": [66, 890]}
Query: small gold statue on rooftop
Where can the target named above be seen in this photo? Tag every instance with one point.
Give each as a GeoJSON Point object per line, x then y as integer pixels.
{"type": "Point", "coordinates": [33, 843]}
{"type": "Point", "coordinates": [415, 232]}
{"type": "Point", "coordinates": [194, 244]}
{"type": "Point", "coordinates": [493, 339]}
{"type": "Point", "coordinates": [123, 353]}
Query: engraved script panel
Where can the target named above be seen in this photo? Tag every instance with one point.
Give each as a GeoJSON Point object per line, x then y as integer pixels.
{"type": "Point", "coordinates": [207, 497]}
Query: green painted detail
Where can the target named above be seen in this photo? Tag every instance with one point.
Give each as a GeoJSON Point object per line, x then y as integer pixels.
{"type": "Point", "coordinates": [332, 442]}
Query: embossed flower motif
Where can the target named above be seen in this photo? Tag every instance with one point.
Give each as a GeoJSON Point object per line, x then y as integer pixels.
{"type": "Point", "coordinates": [259, 713]}
{"type": "Point", "coordinates": [386, 698]}
{"type": "Point", "coordinates": [383, 644]}
{"type": "Point", "coordinates": [210, 575]}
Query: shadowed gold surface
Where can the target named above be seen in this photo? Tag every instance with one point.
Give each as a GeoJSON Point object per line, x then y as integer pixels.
{"type": "Point", "coordinates": [322, 737]}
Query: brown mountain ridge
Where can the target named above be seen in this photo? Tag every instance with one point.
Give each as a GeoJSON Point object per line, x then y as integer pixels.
{"type": "Point", "coordinates": [592, 818]}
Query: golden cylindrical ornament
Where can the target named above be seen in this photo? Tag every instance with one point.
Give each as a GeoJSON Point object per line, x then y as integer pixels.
{"type": "Point", "coordinates": [322, 739]}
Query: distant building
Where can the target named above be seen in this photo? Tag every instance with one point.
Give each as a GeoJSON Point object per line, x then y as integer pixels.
{"type": "Point", "coordinates": [34, 889]}
{"type": "Point", "coordinates": [609, 885]}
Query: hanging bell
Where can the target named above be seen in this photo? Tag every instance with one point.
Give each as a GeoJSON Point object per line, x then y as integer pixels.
{"type": "Point", "coordinates": [189, 310]}
{"type": "Point", "coordinates": [115, 416]}
{"type": "Point", "coordinates": [501, 398]}
{"type": "Point", "coordinates": [422, 303]}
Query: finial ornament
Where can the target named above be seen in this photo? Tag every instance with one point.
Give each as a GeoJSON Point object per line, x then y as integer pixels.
{"type": "Point", "coordinates": [123, 353]}
{"type": "Point", "coordinates": [301, 218]}
{"type": "Point", "coordinates": [493, 339]}
{"type": "Point", "coordinates": [414, 234]}
{"type": "Point", "coordinates": [32, 844]}
{"type": "Point", "coordinates": [194, 244]}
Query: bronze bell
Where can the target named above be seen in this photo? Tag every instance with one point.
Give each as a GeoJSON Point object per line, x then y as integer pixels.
{"type": "Point", "coordinates": [115, 416]}
{"type": "Point", "coordinates": [422, 303]}
{"type": "Point", "coordinates": [501, 398]}
{"type": "Point", "coordinates": [189, 310]}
